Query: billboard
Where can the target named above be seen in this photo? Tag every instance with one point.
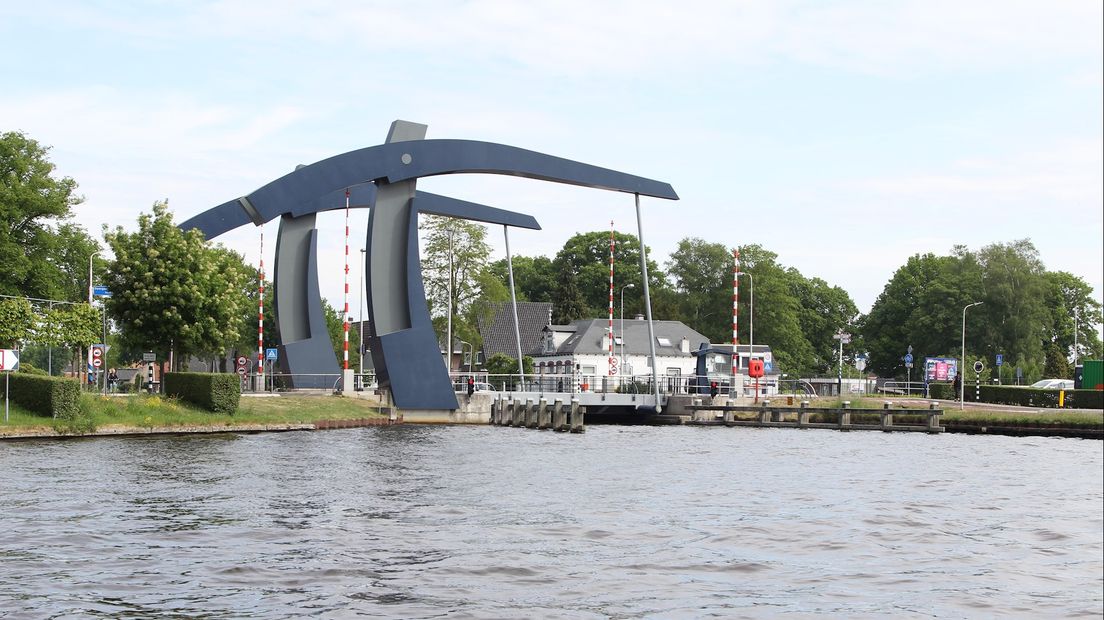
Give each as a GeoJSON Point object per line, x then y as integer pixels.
{"type": "Point", "coordinates": [940, 368]}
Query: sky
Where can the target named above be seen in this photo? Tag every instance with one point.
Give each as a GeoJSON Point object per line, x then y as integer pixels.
{"type": "Point", "coordinates": [845, 136]}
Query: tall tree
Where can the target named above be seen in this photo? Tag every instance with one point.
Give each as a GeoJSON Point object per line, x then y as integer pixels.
{"type": "Point", "coordinates": [1014, 318]}
{"type": "Point", "coordinates": [1069, 299]}
{"type": "Point", "coordinates": [822, 311]}
{"type": "Point", "coordinates": [173, 291]}
{"type": "Point", "coordinates": [43, 255]}
{"type": "Point", "coordinates": [454, 255]}
{"type": "Point", "coordinates": [702, 275]}
{"type": "Point", "coordinates": [582, 268]}
{"type": "Point", "coordinates": [534, 277]}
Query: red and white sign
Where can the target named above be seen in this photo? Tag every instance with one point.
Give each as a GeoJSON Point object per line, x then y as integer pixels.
{"type": "Point", "coordinates": [243, 368]}
{"type": "Point", "coordinates": [9, 359]}
{"type": "Point", "coordinates": [97, 356]}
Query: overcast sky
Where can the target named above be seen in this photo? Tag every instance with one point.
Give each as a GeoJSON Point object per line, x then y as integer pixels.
{"type": "Point", "coordinates": [844, 136]}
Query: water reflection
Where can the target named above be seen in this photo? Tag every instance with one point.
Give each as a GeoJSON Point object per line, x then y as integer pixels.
{"type": "Point", "coordinates": [491, 522]}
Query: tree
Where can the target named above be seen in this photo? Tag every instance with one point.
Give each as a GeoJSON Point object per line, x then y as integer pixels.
{"type": "Point", "coordinates": [1014, 318]}
{"type": "Point", "coordinates": [534, 277]}
{"type": "Point", "coordinates": [454, 257]}
{"type": "Point", "coordinates": [822, 311]}
{"type": "Point", "coordinates": [1057, 366]}
{"type": "Point", "coordinates": [582, 269]}
{"type": "Point", "coordinates": [702, 275]}
{"type": "Point", "coordinates": [1069, 300]}
{"type": "Point", "coordinates": [39, 251]}
{"type": "Point", "coordinates": [173, 291]}
{"type": "Point", "coordinates": [17, 322]}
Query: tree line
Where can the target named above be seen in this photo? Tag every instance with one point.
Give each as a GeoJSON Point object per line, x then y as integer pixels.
{"type": "Point", "coordinates": [176, 292]}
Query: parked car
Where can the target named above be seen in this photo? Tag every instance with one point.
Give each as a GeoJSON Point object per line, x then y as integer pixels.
{"type": "Point", "coordinates": [1053, 384]}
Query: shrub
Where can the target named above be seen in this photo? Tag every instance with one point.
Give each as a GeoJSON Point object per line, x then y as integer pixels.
{"type": "Point", "coordinates": [77, 420]}
{"type": "Point", "coordinates": [49, 396]}
{"type": "Point", "coordinates": [1025, 396]}
{"type": "Point", "coordinates": [215, 392]}
{"type": "Point", "coordinates": [942, 391]}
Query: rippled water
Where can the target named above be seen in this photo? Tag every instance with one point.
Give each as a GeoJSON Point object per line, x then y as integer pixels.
{"type": "Point", "coordinates": [432, 521]}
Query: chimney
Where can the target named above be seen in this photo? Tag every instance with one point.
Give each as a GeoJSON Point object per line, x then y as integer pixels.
{"type": "Point", "coordinates": [685, 345]}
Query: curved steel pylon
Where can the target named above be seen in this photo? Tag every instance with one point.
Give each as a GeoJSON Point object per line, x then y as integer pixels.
{"type": "Point", "coordinates": [405, 350]}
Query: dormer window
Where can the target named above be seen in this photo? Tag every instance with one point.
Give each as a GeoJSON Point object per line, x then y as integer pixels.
{"type": "Point", "coordinates": [662, 341]}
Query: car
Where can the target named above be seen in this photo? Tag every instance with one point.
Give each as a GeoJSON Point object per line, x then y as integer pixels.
{"type": "Point", "coordinates": [1053, 384]}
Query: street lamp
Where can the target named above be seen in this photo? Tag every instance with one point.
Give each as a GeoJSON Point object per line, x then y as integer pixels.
{"type": "Point", "coordinates": [471, 353]}
{"type": "Point", "coordinates": [360, 311]}
{"type": "Point", "coordinates": [962, 364]}
{"type": "Point", "coordinates": [751, 315]}
{"type": "Point", "coordinates": [623, 325]}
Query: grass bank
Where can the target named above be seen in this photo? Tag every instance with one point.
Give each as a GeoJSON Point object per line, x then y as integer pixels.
{"type": "Point", "coordinates": [1056, 418]}
{"type": "Point", "coordinates": [140, 411]}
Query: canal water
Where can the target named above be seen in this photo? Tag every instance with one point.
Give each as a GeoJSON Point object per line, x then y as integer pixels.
{"type": "Point", "coordinates": [489, 522]}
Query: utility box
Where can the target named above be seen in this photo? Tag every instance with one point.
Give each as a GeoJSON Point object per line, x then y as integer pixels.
{"type": "Point", "coordinates": [1091, 375]}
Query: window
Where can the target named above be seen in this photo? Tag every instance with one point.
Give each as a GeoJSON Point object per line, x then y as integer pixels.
{"type": "Point", "coordinates": [618, 341]}
{"type": "Point", "coordinates": [663, 342]}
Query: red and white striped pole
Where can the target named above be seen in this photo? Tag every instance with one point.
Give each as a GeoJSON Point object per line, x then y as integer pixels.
{"type": "Point", "coordinates": [612, 360]}
{"type": "Point", "coordinates": [735, 316]}
{"type": "Point", "coordinates": [346, 350]}
{"type": "Point", "coordinates": [260, 314]}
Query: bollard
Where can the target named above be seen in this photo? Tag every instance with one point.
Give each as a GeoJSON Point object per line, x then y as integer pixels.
{"type": "Point", "coordinates": [518, 418]}
{"type": "Point", "coordinates": [576, 418]}
{"type": "Point", "coordinates": [544, 416]}
{"type": "Point", "coordinates": [845, 416]}
{"type": "Point", "coordinates": [887, 416]}
{"type": "Point", "coordinates": [933, 418]}
{"type": "Point", "coordinates": [697, 414]}
{"type": "Point", "coordinates": [764, 413]}
{"type": "Point", "coordinates": [577, 413]}
{"type": "Point", "coordinates": [803, 415]}
{"type": "Point", "coordinates": [530, 413]}
{"type": "Point", "coordinates": [558, 415]}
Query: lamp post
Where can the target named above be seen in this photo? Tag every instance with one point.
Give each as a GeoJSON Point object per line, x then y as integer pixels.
{"type": "Point", "coordinates": [962, 364]}
{"type": "Point", "coordinates": [623, 325]}
{"type": "Point", "coordinates": [471, 353]}
{"type": "Point", "coordinates": [360, 311]}
{"type": "Point", "coordinates": [751, 314]}
{"type": "Point", "coordinates": [1075, 342]}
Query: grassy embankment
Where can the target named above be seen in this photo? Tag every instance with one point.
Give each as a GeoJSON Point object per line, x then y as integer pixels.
{"type": "Point", "coordinates": [1058, 418]}
{"type": "Point", "coordinates": [143, 412]}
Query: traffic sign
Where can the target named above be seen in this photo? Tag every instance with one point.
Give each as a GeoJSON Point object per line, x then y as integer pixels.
{"type": "Point", "coordinates": [101, 291]}
{"type": "Point", "coordinates": [271, 355]}
{"type": "Point", "coordinates": [242, 361]}
{"type": "Point", "coordinates": [612, 366]}
{"type": "Point", "coordinates": [908, 360]}
{"type": "Point", "coordinates": [149, 357]}
{"type": "Point", "coordinates": [242, 370]}
{"type": "Point", "coordinates": [979, 366]}
{"type": "Point", "coordinates": [97, 355]}
{"type": "Point", "coordinates": [1000, 359]}
{"type": "Point", "coordinates": [9, 360]}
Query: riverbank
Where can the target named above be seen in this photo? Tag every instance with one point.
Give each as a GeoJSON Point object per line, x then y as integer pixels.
{"type": "Point", "coordinates": [152, 415]}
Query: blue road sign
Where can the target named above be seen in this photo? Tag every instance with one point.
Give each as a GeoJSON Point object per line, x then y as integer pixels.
{"type": "Point", "coordinates": [270, 355]}
{"type": "Point", "coordinates": [101, 291]}
{"type": "Point", "coordinates": [908, 358]}
{"type": "Point", "coordinates": [1000, 359]}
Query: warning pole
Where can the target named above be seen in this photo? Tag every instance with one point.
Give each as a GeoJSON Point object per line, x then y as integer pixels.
{"type": "Point", "coordinates": [735, 316]}
{"type": "Point", "coordinates": [346, 351]}
{"type": "Point", "coordinates": [612, 361]}
{"type": "Point", "coordinates": [260, 315]}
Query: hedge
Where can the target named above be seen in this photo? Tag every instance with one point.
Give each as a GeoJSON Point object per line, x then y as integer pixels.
{"type": "Point", "coordinates": [1023, 396]}
{"type": "Point", "coordinates": [215, 392]}
{"type": "Point", "coordinates": [49, 396]}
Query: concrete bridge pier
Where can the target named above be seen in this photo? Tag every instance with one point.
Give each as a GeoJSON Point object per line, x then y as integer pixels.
{"type": "Point", "coordinates": [803, 415]}
{"type": "Point", "coordinates": [559, 415]}
{"type": "Point", "coordinates": [845, 416]}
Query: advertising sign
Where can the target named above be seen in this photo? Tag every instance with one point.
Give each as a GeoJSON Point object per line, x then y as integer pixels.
{"type": "Point", "coordinates": [940, 368]}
